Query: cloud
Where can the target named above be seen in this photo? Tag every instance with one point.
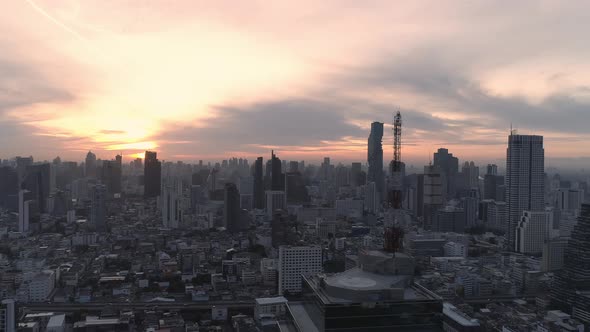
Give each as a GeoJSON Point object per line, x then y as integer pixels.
{"type": "Point", "coordinates": [283, 123]}
{"type": "Point", "coordinates": [447, 107]}
{"type": "Point", "coordinates": [306, 78]}
{"type": "Point", "coordinates": [22, 85]}
{"type": "Point", "coordinates": [112, 132]}
{"type": "Point", "coordinates": [454, 91]}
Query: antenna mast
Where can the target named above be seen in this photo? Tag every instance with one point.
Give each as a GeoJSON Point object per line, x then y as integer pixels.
{"type": "Point", "coordinates": [395, 195]}
{"type": "Point", "coordinates": [394, 234]}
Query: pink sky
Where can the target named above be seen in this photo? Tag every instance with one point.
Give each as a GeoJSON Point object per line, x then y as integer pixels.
{"type": "Point", "coordinates": [205, 80]}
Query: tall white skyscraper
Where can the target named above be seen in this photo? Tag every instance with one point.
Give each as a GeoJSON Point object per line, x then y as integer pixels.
{"type": "Point", "coordinates": [525, 179]}
{"type": "Point", "coordinates": [98, 207]}
{"type": "Point", "coordinates": [293, 261]}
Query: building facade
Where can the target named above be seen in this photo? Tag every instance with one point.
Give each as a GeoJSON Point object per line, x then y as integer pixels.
{"type": "Point", "coordinates": [295, 260]}
{"type": "Point", "coordinates": [525, 179]}
{"type": "Point", "coordinates": [375, 158]}
{"type": "Point", "coordinates": [152, 175]}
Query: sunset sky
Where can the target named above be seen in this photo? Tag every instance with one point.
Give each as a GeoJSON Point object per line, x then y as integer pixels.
{"type": "Point", "coordinates": [211, 79]}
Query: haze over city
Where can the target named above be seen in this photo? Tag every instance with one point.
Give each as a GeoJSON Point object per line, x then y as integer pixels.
{"type": "Point", "coordinates": [205, 80]}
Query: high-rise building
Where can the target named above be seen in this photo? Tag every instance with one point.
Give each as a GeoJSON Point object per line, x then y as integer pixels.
{"type": "Point", "coordinates": [90, 165]}
{"type": "Point", "coordinates": [371, 196]}
{"type": "Point", "coordinates": [525, 179]}
{"type": "Point", "coordinates": [98, 197]}
{"type": "Point", "coordinates": [198, 197]}
{"type": "Point", "coordinates": [170, 202]}
{"type": "Point", "coordinates": [295, 188]}
{"type": "Point", "coordinates": [449, 219]}
{"type": "Point", "coordinates": [569, 199]}
{"type": "Point", "coordinates": [532, 231]}
{"type": "Point", "coordinates": [7, 316]}
{"type": "Point", "coordinates": [25, 210]}
{"type": "Point", "coordinates": [492, 183]}
{"type": "Point", "coordinates": [258, 184]}
{"type": "Point", "coordinates": [419, 195]}
{"type": "Point", "coordinates": [276, 175]}
{"type": "Point", "coordinates": [434, 195]}
{"type": "Point", "coordinates": [293, 166]}
{"type": "Point", "coordinates": [152, 174]}
{"type": "Point", "coordinates": [111, 174]}
{"type": "Point", "coordinates": [293, 261]}
{"type": "Point", "coordinates": [375, 159]}
{"type": "Point", "coordinates": [22, 163]}
{"type": "Point", "coordinates": [275, 200]}
{"type": "Point", "coordinates": [470, 174]}
{"type": "Point", "coordinates": [231, 208]}
{"type": "Point", "coordinates": [279, 229]}
{"type": "Point", "coordinates": [246, 188]}
{"type": "Point", "coordinates": [571, 285]}
{"type": "Point", "coordinates": [326, 169]}
{"type": "Point", "coordinates": [356, 175]}
{"type": "Point", "coordinates": [449, 167]}
{"type": "Point", "coordinates": [492, 169]}
{"type": "Point", "coordinates": [553, 253]}
{"type": "Point", "coordinates": [493, 214]}
{"type": "Point", "coordinates": [9, 187]}
{"type": "Point", "coordinates": [471, 205]}
{"type": "Point", "coordinates": [38, 182]}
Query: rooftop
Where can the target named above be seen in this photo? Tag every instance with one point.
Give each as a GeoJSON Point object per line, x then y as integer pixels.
{"type": "Point", "coordinates": [271, 300]}
{"type": "Point", "coordinates": [56, 321]}
{"type": "Point", "coordinates": [355, 285]}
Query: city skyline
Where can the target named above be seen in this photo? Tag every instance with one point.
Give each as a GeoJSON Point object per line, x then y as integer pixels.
{"type": "Point", "coordinates": [306, 80]}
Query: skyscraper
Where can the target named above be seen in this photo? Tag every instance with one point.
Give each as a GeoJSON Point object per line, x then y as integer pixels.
{"type": "Point", "coordinates": [275, 200]}
{"type": "Point", "coordinates": [356, 175]}
{"type": "Point", "coordinates": [525, 179]}
{"type": "Point", "coordinates": [470, 174]}
{"type": "Point", "coordinates": [152, 174]}
{"type": "Point", "coordinates": [231, 208]}
{"type": "Point", "coordinates": [258, 184]}
{"type": "Point", "coordinates": [90, 165]}
{"type": "Point", "coordinates": [571, 286]}
{"type": "Point", "coordinates": [276, 174]}
{"type": "Point", "coordinates": [98, 207]}
{"type": "Point", "coordinates": [449, 167]}
{"type": "Point", "coordinates": [24, 210]}
{"type": "Point", "coordinates": [170, 203]}
{"type": "Point", "coordinates": [492, 169]}
{"type": "Point", "coordinates": [492, 183]}
{"type": "Point", "coordinates": [21, 167]}
{"type": "Point", "coordinates": [293, 166]}
{"type": "Point", "coordinates": [325, 169]}
{"type": "Point", "coordinates": [110, 175]}
{"type": "Point", "coordinates": [8, 187]}
{"type": "Point", "coordinates": [375, 158]}
{"type": "Point", "coordinates": [38, 182]}
{"type": "Point", "coordinates": [434, 194]}
{"type": "Point", "coordinates": [246, 188]}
